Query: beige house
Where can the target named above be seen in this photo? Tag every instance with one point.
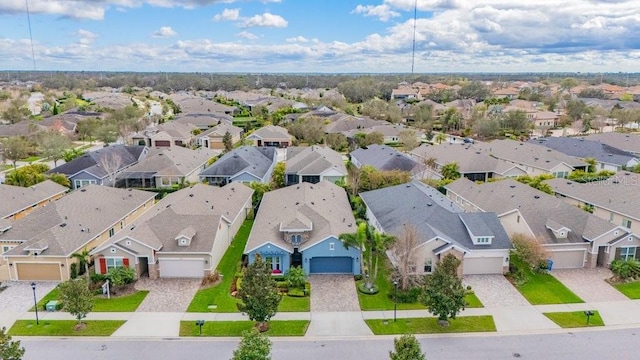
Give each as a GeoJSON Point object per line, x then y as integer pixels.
{"type": "Point", "coordinates": [213, 138]}
{"type": "Point", "coordinates": [83, 219]}
{"type": "Point", "coordinates": [271, 135]}
{"type": "Point", "coordinates": [573, 237]}
{"type": "Point", "coordinates": [183, 236]}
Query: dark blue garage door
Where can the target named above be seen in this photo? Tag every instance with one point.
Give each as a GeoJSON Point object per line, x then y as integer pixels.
{"type": "Point", "coordinates": [331, 265]}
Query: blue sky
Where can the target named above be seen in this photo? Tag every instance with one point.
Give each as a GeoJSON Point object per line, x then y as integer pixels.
{"type": "Point", "coordinates": [321, 35]}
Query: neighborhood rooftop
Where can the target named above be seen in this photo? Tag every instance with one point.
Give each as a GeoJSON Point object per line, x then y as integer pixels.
{"type": "Point", "coordinates": [584, 148]}
{"type": "Point", "coordinates": [14, 199]}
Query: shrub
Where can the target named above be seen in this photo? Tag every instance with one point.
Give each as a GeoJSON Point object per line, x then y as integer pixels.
{"type": "Point", "coordinates": [296, 293]}
{"type": "Point", "coordinates": [121, 276]}
{"type": "Point", "coordinates": [529, 250]}
{"type": "Point", "coordinates": [73, 269]}
{"type": "Point", "coordinates": [625, 269]}
{"type": "Point", "coordinates": [408, 296]}
{"type": "Point", "coordinates": [211, 278]}
{"type": "Point", "coordinates": [295, 277]}
{"type": "Point", "coordinates": [98, 278]}
{"type": "Point", "coordinates": [357, 277]}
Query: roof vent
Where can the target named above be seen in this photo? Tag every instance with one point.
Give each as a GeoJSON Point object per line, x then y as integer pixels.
{"type": "Point", "coordinates": [536, 196]}
{"type": "Point", "coordinates": [83, 190]}
{"type": "Point", "coordinates": [512, 186]}
{"type": "Point", "coordinates": [190, 195]}
{"type": "Point", "coordinates": [429, 204]}
{"type": "Point", "coordinates": [63, 224]}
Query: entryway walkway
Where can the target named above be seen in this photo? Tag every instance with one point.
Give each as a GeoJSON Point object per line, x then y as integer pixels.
{"type": "Point", "coordinates": [589, 284]}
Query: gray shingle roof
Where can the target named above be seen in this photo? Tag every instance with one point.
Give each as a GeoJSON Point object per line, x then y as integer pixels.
{"type": "Point", "coordinates": [177, 161]}
{"type": "Point", "coordinates": [313, 160]}
{"type": "Point", "coordinates": [626, 142]}
{"type": "Point", "coordinates": [271, 132]}
{"type": "Point", "coordinates": [251, 159]}
{"type": "Point", "coordinates": [582, 148]}
{"type": "Point", "coordinates": [90, 162]}
{"type": "Point", "coordinates": [16, 198]}
{"type": "Point", "coordinates": [535, 206]}
{"type": "Point", "coordinates": [194, 211]}
{"type": "Point", "coordinates": [385, 158]}
{"type": "Point", "coordinates": [433, 215]}
{"type": "Point", "coordinates": [324, 204]}
{"type": "Point", "coordinates": [221, 129]}
{"type": "Point", "coordinates": [468, 158]}
{"type": "Point", "coordinates": [204, 120]}
{"type": "Point", "coordinates": [528, 154]}
{"type": "Point", "coordinates": [69, 223]}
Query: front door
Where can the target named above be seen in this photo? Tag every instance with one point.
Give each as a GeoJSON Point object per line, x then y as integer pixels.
{"type": "Point", "coordinates": [296, 258]}
{"type": "Point", "coordinates": [602, 256]}
{"type": "Point", "coordinates": [143, 263]}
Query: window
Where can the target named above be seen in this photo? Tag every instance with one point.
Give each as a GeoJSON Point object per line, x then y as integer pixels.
{"type": "Point", "coordinates": [113, 263]}
{"type": "Point", "coordinates": [483, 240]}
{"type": "Point", "coordinates": [626, 223]}
{"type": "Point", "coordinates": [6, 248]}
{"type": "Point", "coordinates": [627, 253]}
{"type": "Point", "coordinates": [332, 246]}
{"type": "Point", "coordinates": [273, 262]}
{"type": "Point", "coordinates": [428, 266]}
{"type": "Point", "coordinates": [121, 225]}
{"type": "Point", "coordinates": [111, 232]}
{"type": "Point", "coordinates": [518, 219]}
{"type": "Point", "coordinates": [458, 198]}
{"type": "Point", "coordinates": [80, 183]}
{"type": "Point", "coordinates": [611, 216]}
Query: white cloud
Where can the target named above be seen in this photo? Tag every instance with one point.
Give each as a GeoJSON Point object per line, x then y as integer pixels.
{"type": "Point", "coordinates": [85, 37]}
{"type": "Point", "coordinates": [265, 20]}
{"type": "Point", "coordinates": [382, 12]}
{"type": "Point", "coordinates": [247, 35]}
{"type": "Point", "coordinates": [298, 39]}
{"type": "Point", "coordinates": [164, 32]}
{"type": "Point", "coordinates": [227, 14]}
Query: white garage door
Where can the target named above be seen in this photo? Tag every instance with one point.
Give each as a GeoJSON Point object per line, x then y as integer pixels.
{"type": "Point", "coordinates": [181, 268]}
{"type": "Point", "coordinates": [568, 259]}
{"type": "Point", "coordinates": [482, 265]}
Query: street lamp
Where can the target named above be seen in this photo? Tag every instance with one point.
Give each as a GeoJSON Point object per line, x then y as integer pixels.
{"type": "Point", "coordinates": [395, 299]}
{"type": "Point", "coordinates": [35, 302]}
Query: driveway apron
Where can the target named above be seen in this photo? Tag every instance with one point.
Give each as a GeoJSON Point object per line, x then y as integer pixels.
{"type": "Point", "coordinates": [589, 284]}
{"type": "Point", "coordinates": [167, 295]}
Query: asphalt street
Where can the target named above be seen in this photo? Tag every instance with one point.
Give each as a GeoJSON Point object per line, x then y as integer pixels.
{"type": "Point", "coordinates": [618, 344]}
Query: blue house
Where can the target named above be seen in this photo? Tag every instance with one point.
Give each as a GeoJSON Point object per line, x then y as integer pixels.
{"type": "Point", "coordinates": [299, 226]}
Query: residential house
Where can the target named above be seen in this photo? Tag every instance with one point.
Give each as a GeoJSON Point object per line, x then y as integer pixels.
{"type": "Point", "coordinates": [83, 219]}
{"type": "Point", "coordinates": [535, 159]}
{"type": "Point", "coordinates": [623, 141]}
{"type": "Point", "coordinates": [300, 225]}
{"type": "Point", "coordinates": [167, 167]}
{"type": "Point", "coordinates": [313, 164]}
{"type": "Point", "coordinates": [67, 122]}
{"type": "Point", "coordinates": [573, 237]}
{"type": "Point", "coordinates": [615, 199]}
{"type": "Point", "coordinates": [169, 134]}
{"type": "Point", "coordinates": [477, 239]}
{"type": "Point", "coordinates": [183, 236]}
{"type": "Point", "coordinates": [385, 158]}
{"type": "Point", "coordinates": [110, 100]}
{"type": "Point", "coordinates": [390, 132]}
{"type": "Point", "coordinates": [473, 164]}
{"type": "Point", "coordinates": [100, 166]}
{"type": "Point", "coordinates": [213, 138]}
{"type": "Point", "coordinates": [245, 164]}
{"type": "Point", "coordinates": [271, 135]}
{"type": "Point", "coordinates": [608, 157]}
{"type": "Point", "coordinates": [200, 105]}
{"type": "Point", "coordinates": [204, 121]}
{"type": "Point", "coordinates": [23, 128]}
{"type": "Point", "coordinates": [404, 93]}
{"type": "Point", "coordinates": [343, 123]}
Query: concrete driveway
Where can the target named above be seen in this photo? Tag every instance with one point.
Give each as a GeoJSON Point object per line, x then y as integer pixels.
{"type": "Point", "coordinates": [589, 284]}
{"type": "Point", "coordinates": [167, 295]}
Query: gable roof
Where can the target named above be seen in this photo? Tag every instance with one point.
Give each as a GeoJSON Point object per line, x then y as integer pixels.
{"type": "Point", "coordinates": [16, 198]}
{"type": "Point", "coordinates": [204, 120]}
{"type": "Point", "coordinates": [221, 129]}
{"type": "Point", "coordinates": [528, 154]}
{"type": "Point", "coordinates": [385, 158]}
{"type": "Point", "coordinates": [536, 207]}
{"type": "Point", "coordinates": [194, 211]}
{"type": "Point", "coordinates": [251, 159]}
{"type": "Point", "coordinates": [65, 225]}
{"type": "Point", "coordinates": [313, 160]}
{"type": "Point", "coordinates": [344, 122]}
{"type": "Point", "coordinates": [176, 160]}
{"type": "Point", "coordinates": [469, 159]}
{"type": "Point", "coordinates": [583, 148]}
{"type": "Point", "coordinates": [626, 142]}
{"type": "Point", "coordinates": [433, 215]}
{"type": "Point", "coordinates": [324, 205]}
{"type": "Point", "coordinates": [270, 132]}
{"type": "Point", "coordinates": [90, 162]}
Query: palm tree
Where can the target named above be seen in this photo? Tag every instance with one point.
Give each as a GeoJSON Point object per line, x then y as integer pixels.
{"type": "Point", "coordinates": [440, 138]}
{"type": "Point", "coordinates": [83, 257]}
{"type": "Point", "coordinates": [372, 241]}
{"type": "Point", "coordinates": [450, 171]}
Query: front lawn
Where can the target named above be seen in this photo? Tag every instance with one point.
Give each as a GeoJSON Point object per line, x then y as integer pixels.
{"type": "Point", "coordinates": [294, 304]}
{"type": "Point", "coordinates": [575, 319]}
{"type": "Point", "coordinates": [219, 296]}
{"type": "Point", "coordinates": [64, 328]}
{"type": "Point", "coordinates": [543, 288]}
{"type": "Point", "coordinates": [381, 300]}
{"type": "Point", "coordinates": [30, 159]}
{"type": "Point", "coordinates": [127, 303]}
{"type": "Point", "coordinates": [235, 328]}
{"type": "Point", "coordinates": [472, 301]}
{"type": "Point", "coordinates": [630, 290]}
{"type": "Point", "coordinates": [430, 325]}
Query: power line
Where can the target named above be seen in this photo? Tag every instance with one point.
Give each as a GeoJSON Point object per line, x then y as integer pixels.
{"type": "Point", "coordinates": [33, 53]}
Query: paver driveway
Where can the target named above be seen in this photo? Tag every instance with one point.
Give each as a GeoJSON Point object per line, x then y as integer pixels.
{"type": "Point", "coordinates": [589, 284]}
{"type": "Point", "coordinates": [333, 293]}
{"type": "Point", "coordinates": [167, 295]}
{"type": "Point", "coordinates": [18, 296]}
{"type": "Point", "coordinates": [495, 290]}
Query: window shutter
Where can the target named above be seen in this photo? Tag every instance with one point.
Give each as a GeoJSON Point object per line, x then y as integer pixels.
{"type": "Point", "coordinates": [125, 262]}
{"type": "Point", "coordinates": [103, 265]}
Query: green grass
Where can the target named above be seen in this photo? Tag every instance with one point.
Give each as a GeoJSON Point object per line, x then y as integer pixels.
{"type": "Point", "coordinates": [219, 295]}
{"type": "Point", "coordinates": [127, 303]}
{"type": "Point", "coordinates": [294, 304]}
{"type": "Point", "coordinates": [64, 328]}
{"type": "Point", "coordinates": [574, 319]}
{"type": "Point", "coordinates": [473, 301]}
{"type": "Point", "coordinates": [30, 159]}
{"type": "Point", "coordinates": [235, 328]}
{"type": "Point", "coordinates": [381, 300]}
{"type": "Point", "coordinates": [4, 167]}
{"type": "Point", "coordinates": [541, 289]}
{"type": "Point", "coordinates": [52, 295]}
{"type": "Point", "coordinates": [630, 290]}
{"type": "Point", "coordinates": [430, 325]}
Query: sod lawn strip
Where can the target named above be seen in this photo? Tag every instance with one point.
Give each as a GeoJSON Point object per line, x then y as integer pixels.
{"type": "Point", "coordinates": [630, 290]}
{"type": "Point", "coordinates": [64, 328]}
{"type": "Point", "coordinates": [126, 303]}
{"type": "Point", "coordinates": [218, 298]}
{"type": "Point", "coordinates": [575, 319]}
{"type": "Point", "coordinates": [235, 328]}
{"type": "Point", "coordinates": [472, 301]}
{"type": "Point", "coordinates": [294, 304]}
{"type": "Point", "coordinates": [430, 325]}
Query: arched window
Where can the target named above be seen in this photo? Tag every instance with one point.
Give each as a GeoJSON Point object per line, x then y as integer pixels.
{"type": "Point", "coordinates": [293, 239]}
{"type": "Point", "coordinates": [299, 238]}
